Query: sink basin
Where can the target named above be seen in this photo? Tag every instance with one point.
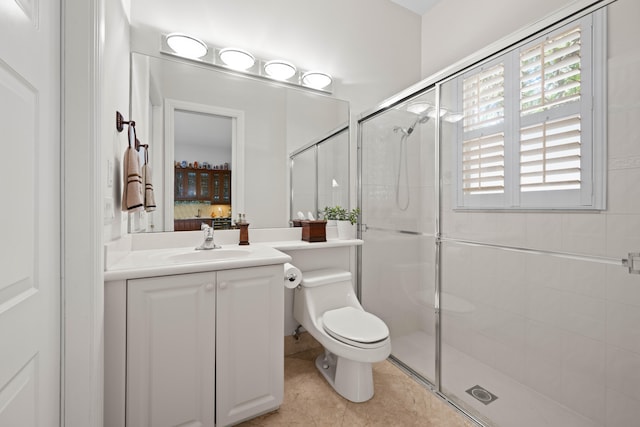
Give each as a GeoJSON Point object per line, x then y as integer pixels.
{"type": "Point", "coordinates": [208, 255]}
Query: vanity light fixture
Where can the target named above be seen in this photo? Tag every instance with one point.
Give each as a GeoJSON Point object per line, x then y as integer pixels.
{"type": "Point", "coordinates": [243, 62]}
{"type": "Point", "coordinates": [279, 69]}
{"type": "Point", "coordinates": [238, 59]}
{"type": "Point", "coordinates": [186, 45]}
{"type": "Point", "coordinates": [316, 79]}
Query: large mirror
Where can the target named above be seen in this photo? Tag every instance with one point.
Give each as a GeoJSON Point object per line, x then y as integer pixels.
{"type": "Point", "coordinates": [219, 142]}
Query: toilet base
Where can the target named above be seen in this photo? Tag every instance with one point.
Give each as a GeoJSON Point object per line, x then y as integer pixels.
{"type": "Point", "coordinates": [352, 380]}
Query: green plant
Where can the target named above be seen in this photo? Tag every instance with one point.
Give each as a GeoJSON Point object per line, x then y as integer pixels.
{"type": "Point", "coordinates": [352, 215]}
{"type": "Point", "coordinates": [333, 213]}
{"type": "Point", "coordinates": [341, 214]}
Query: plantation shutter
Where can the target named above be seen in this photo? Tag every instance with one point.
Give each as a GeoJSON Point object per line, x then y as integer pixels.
{"type": "Point", "coordinates": [550, 73]}
{"type": "Point", "coordinates": [550, 91]}
{"type": "Point", "coordinates": [483, 144]}
{"type": "Point", "coordinates": [483, 98]}
{"type": "Point", "coordinates": [483, 164]}
{"type": "Point", "coordinates": [550, 155]}
{"type": "Point", "coordinates": [534, 129]}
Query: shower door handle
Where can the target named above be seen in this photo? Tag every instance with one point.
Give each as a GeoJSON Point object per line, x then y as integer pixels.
{"type": "Point", "coordinates": [363, 228]}
{"type": "Point", "coordinates": [632, 262]}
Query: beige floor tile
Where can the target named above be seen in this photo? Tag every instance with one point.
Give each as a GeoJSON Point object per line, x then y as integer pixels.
{"type": "Point", "coordinates": [309, 401]}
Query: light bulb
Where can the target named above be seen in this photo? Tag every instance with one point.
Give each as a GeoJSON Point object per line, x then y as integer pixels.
{"type": "Point", "coordinates": [316, 79]}
{"type": "Point", "coordinates": [187, 46]}
{"type": "Point", "coordinates": [280, 70]}
{"type": "Point", "coordinates": [237, 59]}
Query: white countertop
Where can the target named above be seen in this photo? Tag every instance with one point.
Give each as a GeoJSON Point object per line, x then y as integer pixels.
{"type": "Point", "coordinates": [290, 245]}
{"type": "Point", "coordinates": [170, 261]}
{"type": "Point", "coordinates": [163, 254]}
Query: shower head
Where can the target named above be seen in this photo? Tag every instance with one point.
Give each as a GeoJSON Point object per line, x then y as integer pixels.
{"type": "Point", "coordinates": [405, 131]}
{"type": "Point", "coordinates": [408, 131]}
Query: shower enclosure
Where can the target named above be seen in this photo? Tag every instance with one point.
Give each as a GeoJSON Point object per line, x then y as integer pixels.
{"type": "Point", "coordinates": [518, 317]}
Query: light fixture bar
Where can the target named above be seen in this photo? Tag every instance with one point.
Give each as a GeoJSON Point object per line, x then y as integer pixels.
{"type": "Point", "coordinates": [244, 63]}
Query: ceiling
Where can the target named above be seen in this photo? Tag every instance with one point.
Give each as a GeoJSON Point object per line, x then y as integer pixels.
{"type": "Point", "coordinates": [417, 6]}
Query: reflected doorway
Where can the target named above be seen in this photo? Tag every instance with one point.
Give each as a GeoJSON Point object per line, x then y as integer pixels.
{"type": "Point", "coordinates": [204, 165]}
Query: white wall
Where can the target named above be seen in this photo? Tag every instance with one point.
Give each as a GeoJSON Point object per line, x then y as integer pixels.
{"type": "Point", "coordinates": [115, 97]}
{"type": "Point", "coordinates": [454, 29]}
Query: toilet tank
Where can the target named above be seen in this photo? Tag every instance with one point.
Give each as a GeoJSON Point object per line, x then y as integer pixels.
{"type": "Point", "coordinates": [313, 278]}
{"type": "Point", "coordinates": [323, 290]}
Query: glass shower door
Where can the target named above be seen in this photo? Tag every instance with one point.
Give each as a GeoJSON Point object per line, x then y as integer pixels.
{"type": "Point", "coordinates": [397, 203]}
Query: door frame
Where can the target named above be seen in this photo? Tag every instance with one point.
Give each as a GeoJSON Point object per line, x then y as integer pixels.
{"type": "Point", "coordinates": [237, 151]}
{"type": "Point", "coordinates": [82, 342]}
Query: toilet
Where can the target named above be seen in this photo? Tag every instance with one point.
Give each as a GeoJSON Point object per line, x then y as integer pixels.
{"type": "Point", "coordinates": [325, 304]}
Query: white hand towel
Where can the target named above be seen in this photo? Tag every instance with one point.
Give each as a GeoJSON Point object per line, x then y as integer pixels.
{"type": "Point", "coordinates": [132, 182]}
{"type": "Point", "coordinates": [149, 198]}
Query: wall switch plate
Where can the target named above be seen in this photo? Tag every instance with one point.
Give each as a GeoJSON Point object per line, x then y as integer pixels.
{"type": "Point", "coordinates": [109, 173]}
{"type": "Point", "coordinates": [108, 210]}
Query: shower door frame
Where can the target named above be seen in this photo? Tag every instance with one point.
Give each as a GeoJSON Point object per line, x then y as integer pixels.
{"type": "Point", "coordinates": [435, 81]}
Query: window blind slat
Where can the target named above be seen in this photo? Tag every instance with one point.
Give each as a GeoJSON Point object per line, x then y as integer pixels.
{"type": "Point", "coordinates": [548, 105]}
{"type": "Point", "coordinates": [559, 185]}
{"type": "Point", "coordinates": [560, 161]}
{"type": "Point", "coordinates": [532, 145]}
{"type": "Point", "coordinates": [476, 168]}
{"type": "Point", "coordinates": [555, 172]}
{"type": "Point", "coordinates": [483, 161]}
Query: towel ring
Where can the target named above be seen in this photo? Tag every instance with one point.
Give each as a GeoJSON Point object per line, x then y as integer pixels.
{"type": "Point", "coordinates": [120, 122]}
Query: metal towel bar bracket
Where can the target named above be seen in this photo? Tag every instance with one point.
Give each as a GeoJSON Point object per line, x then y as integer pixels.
{"type": "Point", "coordinates": [120, 122]}
{"type": "Point", "coordinates": [633, 262]}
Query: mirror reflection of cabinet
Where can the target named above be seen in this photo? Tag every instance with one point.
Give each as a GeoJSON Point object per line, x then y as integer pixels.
{"type": "Point", "coordinates": [221, 183]}
{"type": "Point", "coordinates": [206, 185]}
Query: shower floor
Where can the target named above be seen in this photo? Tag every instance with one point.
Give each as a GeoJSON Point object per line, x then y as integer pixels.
{"type": "Point", "coordinates": [517, 405]}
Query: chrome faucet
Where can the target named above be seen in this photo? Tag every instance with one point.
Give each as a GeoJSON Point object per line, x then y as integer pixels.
{"type": "Point", "coordinates": [208, 243]}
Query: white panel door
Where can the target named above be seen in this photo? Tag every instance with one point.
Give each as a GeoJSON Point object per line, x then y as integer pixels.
{"type": "Point", "coordinates": [171, 351]}
{"type": "Point", "coordinates": [249, 343]}
{"type": "Point", "coordinates": [30, 213]}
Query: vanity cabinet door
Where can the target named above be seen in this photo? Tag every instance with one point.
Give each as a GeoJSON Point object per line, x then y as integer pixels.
{"type": "Point", "coordinates": [250, 340]}
{"type": "Point", "coordinates": [171, 351]}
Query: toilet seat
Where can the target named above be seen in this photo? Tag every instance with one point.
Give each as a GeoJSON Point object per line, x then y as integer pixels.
{"type": "Point", "coordinates": [355, 327]}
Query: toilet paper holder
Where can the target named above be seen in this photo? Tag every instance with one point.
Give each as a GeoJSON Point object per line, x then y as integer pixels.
{"type": "Point", "coordinates": [291, 277]}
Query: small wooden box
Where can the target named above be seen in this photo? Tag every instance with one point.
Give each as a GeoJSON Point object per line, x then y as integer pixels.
{"type": "Point", "coordinates": [314, 231]}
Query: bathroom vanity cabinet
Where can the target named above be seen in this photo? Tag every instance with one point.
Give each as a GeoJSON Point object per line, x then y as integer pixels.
{"type": "Point", "coordinates": [201, 348]}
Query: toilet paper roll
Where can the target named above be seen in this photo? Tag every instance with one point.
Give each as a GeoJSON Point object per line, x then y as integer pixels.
{"type": "Point", "coordinates": [292, 276]}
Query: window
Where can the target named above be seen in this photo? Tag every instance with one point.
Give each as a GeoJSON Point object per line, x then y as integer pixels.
{"type": "Point", "coordinates": [531, 137]}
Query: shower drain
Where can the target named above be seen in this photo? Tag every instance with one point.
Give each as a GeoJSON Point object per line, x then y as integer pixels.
{"type": "Point", "coordinates": [482, 394]}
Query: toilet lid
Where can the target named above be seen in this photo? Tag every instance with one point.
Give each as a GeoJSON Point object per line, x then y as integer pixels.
{"type": "Point", "coordinates": [353, 326]}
